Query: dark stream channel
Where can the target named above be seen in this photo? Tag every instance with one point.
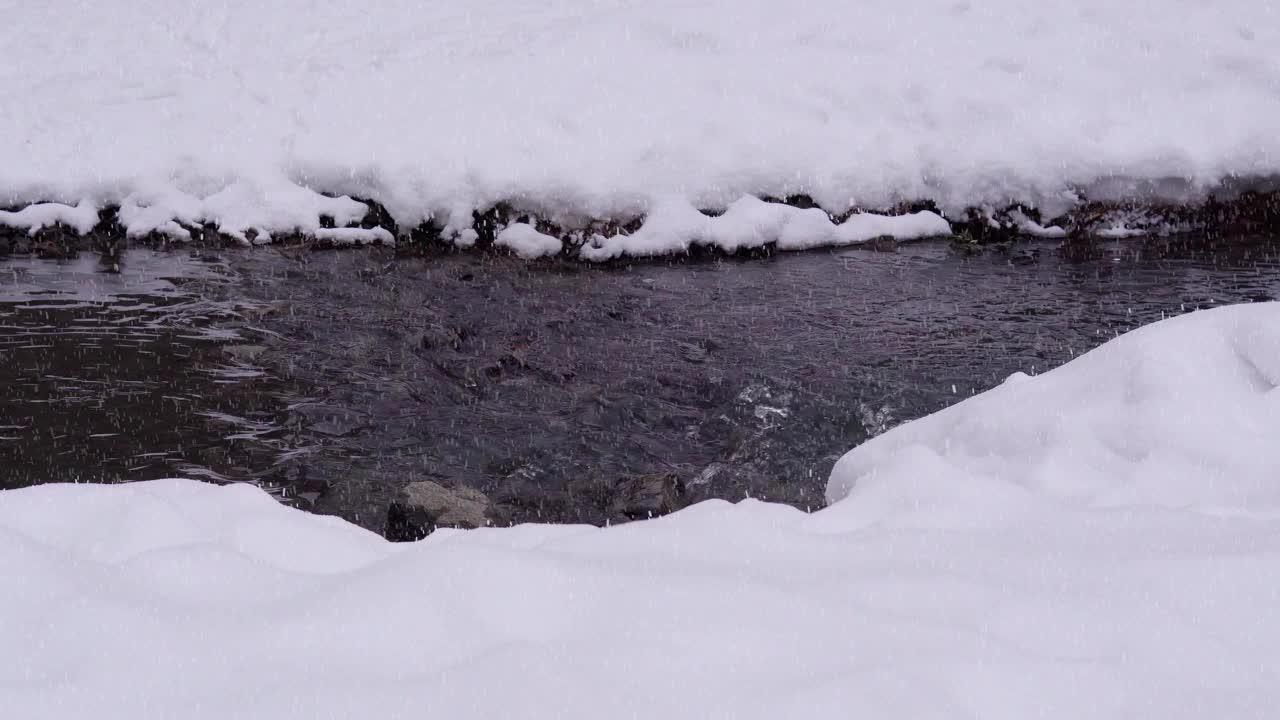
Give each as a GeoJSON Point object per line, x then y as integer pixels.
{"type": "Point", "coordinates": [334, 379]}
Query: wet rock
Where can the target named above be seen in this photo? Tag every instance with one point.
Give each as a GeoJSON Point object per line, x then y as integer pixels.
{"type": "Point", "coordinates": [1252, 212]}
{"type": "Point", "coordinates": [332, 421]}
{"type": "Point", "coordinates": [423, 506]}
{"type": "Point", "coordinates": [637, 497]}
{"type": "Point", "coordinates": [882, 243]}
{"type": "Point", "coordinates": [435, 337]}
{"type": "Point", "coordinates": [244, 353]}
{"type": "Point", "coordinates": [539, 495]}
{"type": "Point", "coordinates": [708, 474]}
{"type": "Point", "coordinates": [692, 352]}
{"type": "Point", "coordinates": [206, 256]}
{"type": "Point", "coordinates": [987, 226]}
{"type": "Point", "coordinates": [55, 242]}
{"type": "Point", "coordinates": [258, 311]}
{"type": "Point", "coordinates": [378, 216]}
{"type": "Point", "coordinates": [370, 272]}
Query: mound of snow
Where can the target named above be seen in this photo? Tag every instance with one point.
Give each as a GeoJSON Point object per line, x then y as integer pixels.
{"type": "Point", "coordinates": [238, 113]}
{"type": "Point", "coordinates": [355, 236]}
{"type": "Point", "coordinates": [1183, 413]}
{"type": "Point", "coordinates": [525, 241]}
{"type": "Point", "coordinates": [1098, 542]}
{"type": "Point", "coordinates": [674, 225]}
{"type": "Point", "coordinates": [82, 217]}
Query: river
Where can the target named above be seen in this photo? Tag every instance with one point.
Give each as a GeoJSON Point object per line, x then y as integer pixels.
{"type": "Point", "coordinates": [333, 379]}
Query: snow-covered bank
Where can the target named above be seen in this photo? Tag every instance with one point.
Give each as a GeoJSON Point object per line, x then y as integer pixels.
{"type": "Point", "coordinates": [751, 223]}
{"type": "Point", "coordinates": [672, 227]}
{"type": "Point", "coordinates": [247, 115]}
{"type": "Point", "coordinates": [1181, 414]}
{"type": "Point", "coordinates": [1101, 541]}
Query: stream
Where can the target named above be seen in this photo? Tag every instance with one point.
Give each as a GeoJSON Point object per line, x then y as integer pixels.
{"type": "Point", "coordinates": [334, 379]}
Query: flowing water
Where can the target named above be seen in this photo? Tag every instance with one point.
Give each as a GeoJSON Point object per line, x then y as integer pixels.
{"type": "Point", "coordinates": [333, 379]}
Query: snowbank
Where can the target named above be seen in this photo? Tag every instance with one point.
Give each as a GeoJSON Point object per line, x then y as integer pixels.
{"type": "Point", "coordinates": [82, 218]}
{"type": "Point", "coordinates": [1102, 541]}
{"type": "Point", "coordinates": [1181, 414]}
{"type": "Point", "coordinates": [674, 225]}
{"type": "Point", "coordinates": [525, 241]}
{"type": "Point", "coordinates": [238, 113]}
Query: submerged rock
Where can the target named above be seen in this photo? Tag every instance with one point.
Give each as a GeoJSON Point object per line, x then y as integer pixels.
{"type": "Point", "coordinates": [882, 243]}
{"type": "Point", "coordinates": [637, 497]}
{"type": "Point", "coordinates": [423, 506]}
{"type": "Point", "coordinates": [244, 353]}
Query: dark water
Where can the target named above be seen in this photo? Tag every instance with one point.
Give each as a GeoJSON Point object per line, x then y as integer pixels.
{"type": "Point", "coordinates": [334, 379]}
{"type": "Point", "coordinates": [118, 370]}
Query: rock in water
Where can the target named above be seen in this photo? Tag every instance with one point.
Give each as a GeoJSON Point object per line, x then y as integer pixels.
{"type": "Point", "coordinates": [423, 506]}
{"type": "Point", "coordinates": [244, 353]}
{"type": "Point", "coordinates": [644, 496]}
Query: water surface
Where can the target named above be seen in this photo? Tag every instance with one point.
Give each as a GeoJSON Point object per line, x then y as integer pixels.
{"type": "Point", "coordinates": [335, 378]}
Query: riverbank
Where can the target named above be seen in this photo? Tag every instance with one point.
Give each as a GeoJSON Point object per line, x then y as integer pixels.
{"type": "Point", "coordinates": [269, 120]}
{"type": "Point", "coordinates": [749, 227]}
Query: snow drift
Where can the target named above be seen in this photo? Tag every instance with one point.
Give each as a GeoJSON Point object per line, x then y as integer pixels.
{"type": "Point", "coordinates": [1183, 413]}
{"type": "Point", "coordinates": [241, 114]}
{"type": "Point", "coordinates": [1102, 541]}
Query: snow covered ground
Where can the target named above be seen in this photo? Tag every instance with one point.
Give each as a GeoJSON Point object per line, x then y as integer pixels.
{"type": "Point", "coordinates": [238, 113]}
{"type": "Point", "coordinates": [1101, 541]}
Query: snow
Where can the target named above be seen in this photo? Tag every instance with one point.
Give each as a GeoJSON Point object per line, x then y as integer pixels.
{"type": "Point", "coordinates": [525, 241]}
{"type": "Point", "coordinates": [1118, 231]}
{"type": "Point", "coordinates": [82, 217]}
{"type": "Point", "coordinates": [244, 114]}
{"type": "Point", "coordinates": [355, 236]}
{"type": "Point", "coordinates": [1100, 541]}
{"type": "Point", "coordinates": [1030, 227]}
{"type": "Point", "coordinates": [1180, 414]}
{"type": "Point", "coordinates": [673, 226]}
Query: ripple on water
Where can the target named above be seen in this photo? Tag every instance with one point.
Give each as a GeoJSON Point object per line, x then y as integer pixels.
{"type": "Point", "coordinates": [115, 371]}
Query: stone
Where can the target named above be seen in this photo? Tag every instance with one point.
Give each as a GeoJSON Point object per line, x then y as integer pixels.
{"type": "Point", "coordinates": [244, 353]}
{"type": "Point", "coordinates": [423, 506]}
{"type": "Point", "coordinates": [692, 352]}
{"type": "Point", "coordinates": [882, 243]}
{"type": "Point", "coordinates": [439, 337]}
{"type": "Point", "coordinates": [637, 497]}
